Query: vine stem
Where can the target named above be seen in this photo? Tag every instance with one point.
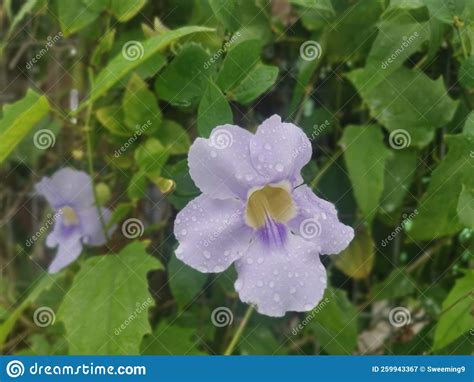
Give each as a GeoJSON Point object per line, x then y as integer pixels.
{"type": "Point", "coordinates": [239, 331]}
{"type": "Point", "coordinates": [90, 160]}
{"type": "Point", "coordinates": [333, 158]}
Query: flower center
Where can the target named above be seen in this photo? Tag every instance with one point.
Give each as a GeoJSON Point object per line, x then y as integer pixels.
{"type": "Point", "coordinates": [70, 217]}
{"type": "Point", "coordinates": [268, 205]}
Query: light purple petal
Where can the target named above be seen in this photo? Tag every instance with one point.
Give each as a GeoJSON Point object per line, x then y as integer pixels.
{"type": "Point", "coordinates": [220, 166]}
{"type": "Point", "coordinates": [69, 249]}
{"type": "Point", "coordinates": [211, 233]}
{"type": "Point", "coordinates": [289, 279]}
{"type": "Point", "coordinates": [317, 222]}
{"type": "Point", "coordinates": [91, 227]}
{"type": "Point", "coordinates": [280, 150]}
{"type": "Point", "coordinates": [67, 187]}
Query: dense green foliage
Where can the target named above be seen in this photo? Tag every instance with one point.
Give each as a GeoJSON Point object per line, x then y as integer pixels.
{"type": "Point", "coordinates": [384, 89]}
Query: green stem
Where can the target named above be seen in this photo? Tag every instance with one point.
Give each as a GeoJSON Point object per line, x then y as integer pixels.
{"type": "Point", "coordinates": [334, 157]}
{"type": "Point", "coordinates": [90, 162]}
{"type": "Point", "coordinates": [239, 331]}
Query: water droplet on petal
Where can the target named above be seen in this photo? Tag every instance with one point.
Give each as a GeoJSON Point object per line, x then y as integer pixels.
{"type": "Point", "coordinates": [238, 285]}
{"type": "Point", "coordinates": [323, 280]}
{"type": "Point", "coordinates": [260, 283]}
{"type": "Point", "coordinates": [267, 146]}
{"type": "Point", "coordinates": [292, 290]}
{"type": "Point", "coordinates": [207, 254]}
{"type": "Point", "coordinates": [213, 154]}
{"type": "Point", "coordinates": [260, 260]}
{"type": "Point", "coordinates": [184, 232]}
{"type": "Point", "coordinates": [249, 261]}
{"type": "Point", "coordinates": [279, 167]}
{"type": "Point", "coordinates": [276, 297]}
{"type": "Point", "coordinates": [272, 284]}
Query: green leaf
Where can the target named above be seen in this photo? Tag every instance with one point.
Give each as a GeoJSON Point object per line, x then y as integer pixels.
{"type": "Point", "coordinates": [357, 260]}
{"type": "Point", "coordinates": [18, 119]}
{"type": "Point", "coordinates": [466, 73]}
{"type": "Point", "coordinates": [227, 12]}
{"type": "Point", "coordinates": [151, 156]}
{"type": "Point", "coordinates": [174, 137]}
{"type": "Point", "coordinates": [185, 282]}
{"type": "Point", "coordinates": [465, 206]}
{"type": "Point", "coordinates": [140, 105]}
{"type": "Point", "coordinates": [242, 76]}
{"type": "Point", "coordinates": [137, 186]}
{"type": "Point", "coordinates": [26, 8]}
{"type": "Point", "coordinates": [445, 10]}
{"type": "Point", "coordinates": [171, 339]}
{"type": "Point", "coordinates": [258, 81]}
{"type": "Point", "coordinates": [322, 5]}
{"type": "Point", "coordinates": [261, 342]}
{"type": "Point", "coordinates": [111, 118]}
{"type": "Point", "coordinates": [74, 15]}
{"type": "Point", "coordinates": [408, 100]}
{"type": "Point", "coordinates": [124, 10]}
{"type": "Point", "coordinates": [400, 170]}
{"type": "Point", "coordinates": [214, 110]}
{"type": "Point", "coordinates": [106, 309]}
{"type": "Point", "coordinates": [365, 155]}
{"type": "Point", "coordinates": [334, 322]}
{"type": "Point", "coordinates": [456, 317]}
{"type": "Point", "coordinates": [184, 80]}
{"type": "Point", "coordinates": [45, 283]}
{"type": "Point", "coordinates": [397, 284]}
{"type": "Point", "coordinates": [438, 207]}
{"type": "Point", "coordinates": [119, 213]}
{"type": "Point", "coordinates": [398, 38]}
{"type": "Point", "coordinates": [240, 59]}
{"type": "Point", "coordinates": [104, 46]}
{"type": "Point", "coordinates": [120, 66]}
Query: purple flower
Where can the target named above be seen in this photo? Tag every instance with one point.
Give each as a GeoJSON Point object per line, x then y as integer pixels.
{"type": "Point", "coordinates": [255, 211]}
{"type": "Point", "coordinates": [70, 194]}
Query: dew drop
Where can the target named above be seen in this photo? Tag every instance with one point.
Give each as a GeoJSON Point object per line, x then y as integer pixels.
{"type": "Point", "coordinates": [272, 284]}
{"type": "Point", "coordinates": [207, 254]}
{"type": "Point", "coordinates": [279, 167]}
{"type": "Point", "coordinates": [213, 154]}
{"type": "Point", "coordinates": [260, 283]}
{"type": "Point", "coordinates": [249, 261]}
{"type": "Point", "coordinates": [276, 297]}
{"type": "Point", "coordinates": [238, 285]}
{"type": "Point", "coordinates": [184, 232]}
{"type": "Point", "coordinates": [267, 146]}
{"type": "Point", "coordinates": [292, 290]}
{"type": "Point", "coordinates": [260, 260]}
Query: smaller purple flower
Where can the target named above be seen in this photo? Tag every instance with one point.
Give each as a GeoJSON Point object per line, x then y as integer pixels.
{"type": "Point", "coordinates": [70, 194]}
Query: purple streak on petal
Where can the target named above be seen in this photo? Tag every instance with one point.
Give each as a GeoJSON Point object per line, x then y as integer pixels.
{"type": "Point", "coordinates": [291, 278]}
{"type": "Point", "coordinates": [273, 234]}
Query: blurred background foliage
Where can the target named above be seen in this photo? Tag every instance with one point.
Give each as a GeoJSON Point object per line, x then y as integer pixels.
{"type": "Point", "coordinates": [382, 68]}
